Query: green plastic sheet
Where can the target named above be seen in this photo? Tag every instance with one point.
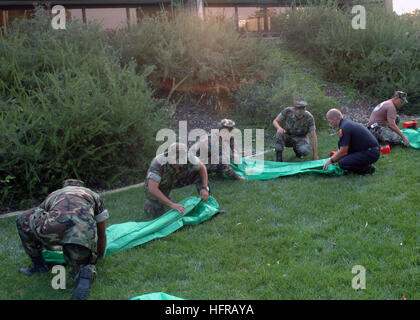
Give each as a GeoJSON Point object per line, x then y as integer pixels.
{"type": "Point", "coordinates": [413, 136]}
{"type": "Point", "coordinates": [156, 296]}
{"type": "Point", "coordinates": [131, 234]}
{"type": "Point", "coordinates": [255, 169]}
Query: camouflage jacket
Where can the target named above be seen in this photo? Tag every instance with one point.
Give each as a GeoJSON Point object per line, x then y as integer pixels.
{"type": "Point", "coordinates": [294, 126]}
{"type": "Point", "coordinates": [70, 215]}
{"type": "Point", "coordinates": [216, 164]}
{"type": "Point", "coordinates": [205, 143]}
{"type": "Point", "coordinates": [169, 177]}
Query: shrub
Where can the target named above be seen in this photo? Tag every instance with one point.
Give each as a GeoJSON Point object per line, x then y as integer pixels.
{"type": "Point", "coordinates": [70, 110]}
{"type": "Point", "coordinates": [379, 60]}
{"type": "Point", "coordinates": [203, 54]}
{"type": "Point", "coordinates": [264, 100]}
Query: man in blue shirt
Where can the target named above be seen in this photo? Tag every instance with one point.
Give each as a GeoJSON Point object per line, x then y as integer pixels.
{"type": "Point", "coordinates": [358, 148]}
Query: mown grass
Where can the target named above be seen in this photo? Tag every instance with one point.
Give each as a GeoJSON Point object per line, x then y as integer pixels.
{"type": "Point", "coordinates": [289, 238]}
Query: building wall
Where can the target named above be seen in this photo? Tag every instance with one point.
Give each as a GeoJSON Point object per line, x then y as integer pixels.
{"type": "Point", "coordinates": [248, 17]}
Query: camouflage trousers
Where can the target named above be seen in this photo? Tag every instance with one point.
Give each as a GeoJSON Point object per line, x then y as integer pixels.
{"type": "Point", "coordinates": [33, 242]}
{"type": "Point", "coordinates": [224, 169]}
{"type": "Point", "coordinates": [154, 208]}
{"type": "Point", "coordinates": [300, 144]}
{"type": "Point", "coordinates": [386, 135]}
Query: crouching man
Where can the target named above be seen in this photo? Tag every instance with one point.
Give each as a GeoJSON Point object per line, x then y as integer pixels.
{"type": "Point", "coordinates": [166, 172]}
{"type": "Point", "coordinates": [358, 148]}
{"type": "Point", "coordinates": [72, 217]}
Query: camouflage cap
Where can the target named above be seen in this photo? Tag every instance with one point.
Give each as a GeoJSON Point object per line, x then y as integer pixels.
{"type": "Point", "coordinates": [401, 95]}
{"type": "Point", "coordinates": [300, 102]}
{"type": "Point", "coordinates": [73, 182]}
{"type": "Point", "coordinates": [227, 123]}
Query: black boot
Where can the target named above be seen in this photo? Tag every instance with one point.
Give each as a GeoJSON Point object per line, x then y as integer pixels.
{"type": "Point", "coordinates": [38, 267]}
{"type": "Point", "coordinates": [279, 156]}
{"type": "Point", "coordinates": [84, 281]}
{"type": "Point", "coordinates": [370, 170]}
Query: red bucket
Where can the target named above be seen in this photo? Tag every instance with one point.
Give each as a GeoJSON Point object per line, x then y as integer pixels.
{"type": "Point", "coordinates": [385, 149]}
{"type": "Point", "coordinates": [332, 153]}
{"type": "Point", "coordinates": [410, 125]}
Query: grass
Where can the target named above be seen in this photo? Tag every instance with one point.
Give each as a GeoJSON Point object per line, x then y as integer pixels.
{"type": "Point", "coordinates": [290, 238]}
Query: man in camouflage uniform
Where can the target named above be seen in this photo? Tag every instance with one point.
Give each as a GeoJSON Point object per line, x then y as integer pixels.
{"type": "Point", "coordinates": [383, 122]}
{"type": "Point", "coordinates": [166, 173]}
{"type": "Point", "coordinates": [215, 139]}
{"type": "Point", "coordinates": [72, 217]}
{"type": "Point", "coordinates": [296, 123]}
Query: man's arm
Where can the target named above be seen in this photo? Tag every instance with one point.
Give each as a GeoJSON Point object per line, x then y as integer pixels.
{"type": "Point", "coordinates": [315, 144]}
{"type": "Point", "coordinates": [276, 124]}
{"type": "Point", "coordinates": [204, 194]}
{"type": "Point", "coordinates": [101, 227]}
{"type": "Point", "coordinates": [154, 190]}
{"type": "Point", "coordinates": [394, 127]}
{"type": "Point", "coordinates": [341, 153]}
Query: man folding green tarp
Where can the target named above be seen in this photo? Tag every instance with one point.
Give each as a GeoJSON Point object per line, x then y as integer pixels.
{"type": "Point", "coordinates": [413, 136]}
{"type": "Point", "coordinates": [254, 169]}
{"type": "Point", "coordinates": [130, 234]}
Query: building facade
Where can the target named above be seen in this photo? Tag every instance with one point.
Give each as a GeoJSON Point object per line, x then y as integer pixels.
{"type": "Point", "coordinates": [249, 15]}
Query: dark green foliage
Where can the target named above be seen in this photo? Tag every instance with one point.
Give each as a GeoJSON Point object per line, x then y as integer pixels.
{"type": "Point", "coordinates": [380, 59]}
{"type": "Point", "coordinates": [204, 54]}
{"type": "Point", "coordinates": [70, 110]}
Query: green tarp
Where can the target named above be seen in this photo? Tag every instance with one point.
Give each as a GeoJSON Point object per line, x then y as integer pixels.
{"type": "Point", "coordinates": [156, 296]}
{"type": "Point", "coordinates": [413, 136]}
{"type": "Point", "coordinates": [254, 169]}
{"type": "Point", "coordinates": [130, 234]}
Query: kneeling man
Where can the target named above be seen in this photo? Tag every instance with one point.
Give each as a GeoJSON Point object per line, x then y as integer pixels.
{"type": "Point", "coordinates": [358, 148]}
{"type": "Point", "coordinates": [72, 217]}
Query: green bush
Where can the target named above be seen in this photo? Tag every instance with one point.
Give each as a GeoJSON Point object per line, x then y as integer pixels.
{"type": "Point", "coordinates": [204, 54]}
{"type": "Point", "coordinates": [380, 59]}
{"type": "Point", "coordinates": [263, 101]}
{"type": "Point", "coordinates": [68, 109]}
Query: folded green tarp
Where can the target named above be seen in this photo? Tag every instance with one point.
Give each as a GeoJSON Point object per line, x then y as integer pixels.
{"type": "Point", "coordinates": [130, 234]}
{"type": "Point", "coordinates": [255, 169]}
{"type": "Point", "coordinates": [413, 136]}
{"type": "Point", "coordinates": [156, 296]}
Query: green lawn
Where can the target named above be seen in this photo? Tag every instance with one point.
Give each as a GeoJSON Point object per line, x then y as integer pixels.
{"type": "Point", "coordinates": [290, 238]}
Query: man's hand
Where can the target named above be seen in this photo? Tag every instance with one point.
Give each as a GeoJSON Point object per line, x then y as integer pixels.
{"type": "Point", "coordinates": [406, 142]}
{"type": "Point", "coordinates": [327, 164]}
{"type": "Point", "coordinates": [102, 239]}
{"type": "Point", "coordinates": [178, 207]}
{"type": "Point", "coordinates": [281, 131]}
{"type": "Point", "coordinates": [204, 194]}
{"type": "Point", "coordinates": [55, 248]}
{"type": "Point", "coordinates": [242, 178]}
